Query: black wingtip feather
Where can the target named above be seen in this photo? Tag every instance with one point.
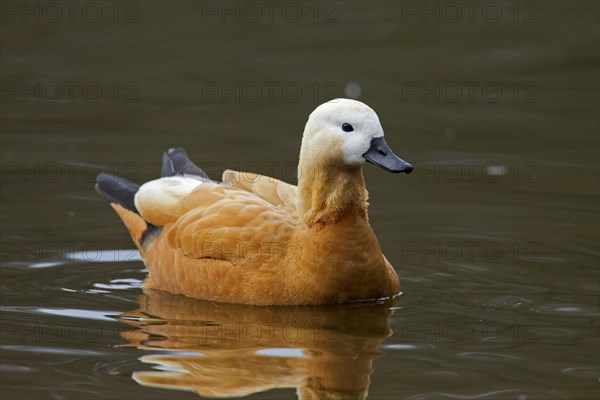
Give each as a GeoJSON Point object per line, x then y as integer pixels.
{"type": "Point", "coordinates": [177, 162]}
{"type": "Point", "coordinates": [117, 190]}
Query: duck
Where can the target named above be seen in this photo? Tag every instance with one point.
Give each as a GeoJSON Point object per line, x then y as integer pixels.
{"type": "Point", "coordinates": [253, 239]}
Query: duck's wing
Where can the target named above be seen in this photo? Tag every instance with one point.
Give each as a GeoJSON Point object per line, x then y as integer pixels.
{"type": "Point", "coordinates": [274, 191]}
{"type": "Point", "coordinates": [209, 220]}
{"type": "Point", "coordinates": [226, 223]}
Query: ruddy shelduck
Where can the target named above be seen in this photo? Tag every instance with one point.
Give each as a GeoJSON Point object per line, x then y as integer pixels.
{"type": "Point", "coordinates": [256, 240]}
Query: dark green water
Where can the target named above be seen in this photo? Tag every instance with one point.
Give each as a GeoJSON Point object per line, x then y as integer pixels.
{"type": "Point", "coordinates": [494, 236]}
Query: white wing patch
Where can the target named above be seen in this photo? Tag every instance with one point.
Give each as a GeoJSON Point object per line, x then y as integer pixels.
{"type": "Point", "coordinates": [158, 201]}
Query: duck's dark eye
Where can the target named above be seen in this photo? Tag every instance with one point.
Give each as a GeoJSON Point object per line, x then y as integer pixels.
{"type": "Point", "coordinates": [346, 127]}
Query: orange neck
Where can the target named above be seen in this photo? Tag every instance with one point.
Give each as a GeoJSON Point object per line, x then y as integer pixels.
{"type": "Point", "coordinates": [330, 192]}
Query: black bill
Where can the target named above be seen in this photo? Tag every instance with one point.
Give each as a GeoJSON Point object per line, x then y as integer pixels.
{"type": "Point", "coordinates": [381, 155]}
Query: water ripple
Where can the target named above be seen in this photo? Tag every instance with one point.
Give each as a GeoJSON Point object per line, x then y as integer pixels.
{"type": "Point", "coordinates": [15, 368]}
{"type": "Point", "coordinates": [50, 350]}
{"type": "Point", "coordinates": [581, 372]}
{"type": "Point", "coordinates": [568, 309]}
{"type": "Point", "coordinates": [120, 284]}
{"type": "Point", "coordinates": [506, 301]}
{"type": "Point", "coordinates": [481, 356]}
{"type": "Point", "coordinates": [64, 312]}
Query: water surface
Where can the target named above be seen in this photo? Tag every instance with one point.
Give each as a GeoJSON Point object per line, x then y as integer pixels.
{"type": "Point", "coordinates": [494, 236]}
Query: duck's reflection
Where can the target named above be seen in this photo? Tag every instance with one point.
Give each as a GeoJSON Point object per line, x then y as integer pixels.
{"type": "Point", "coordinates": [229, 350]}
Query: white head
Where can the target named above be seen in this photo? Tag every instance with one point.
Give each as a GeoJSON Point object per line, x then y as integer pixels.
{"type": "Point", "coordinates": [348, 131]}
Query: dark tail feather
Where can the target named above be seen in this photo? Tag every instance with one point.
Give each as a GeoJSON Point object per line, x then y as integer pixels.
{"type": "Point", "coordinates": [117, 190]}
{"type": "Point", "coordinates": [176, 162]}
